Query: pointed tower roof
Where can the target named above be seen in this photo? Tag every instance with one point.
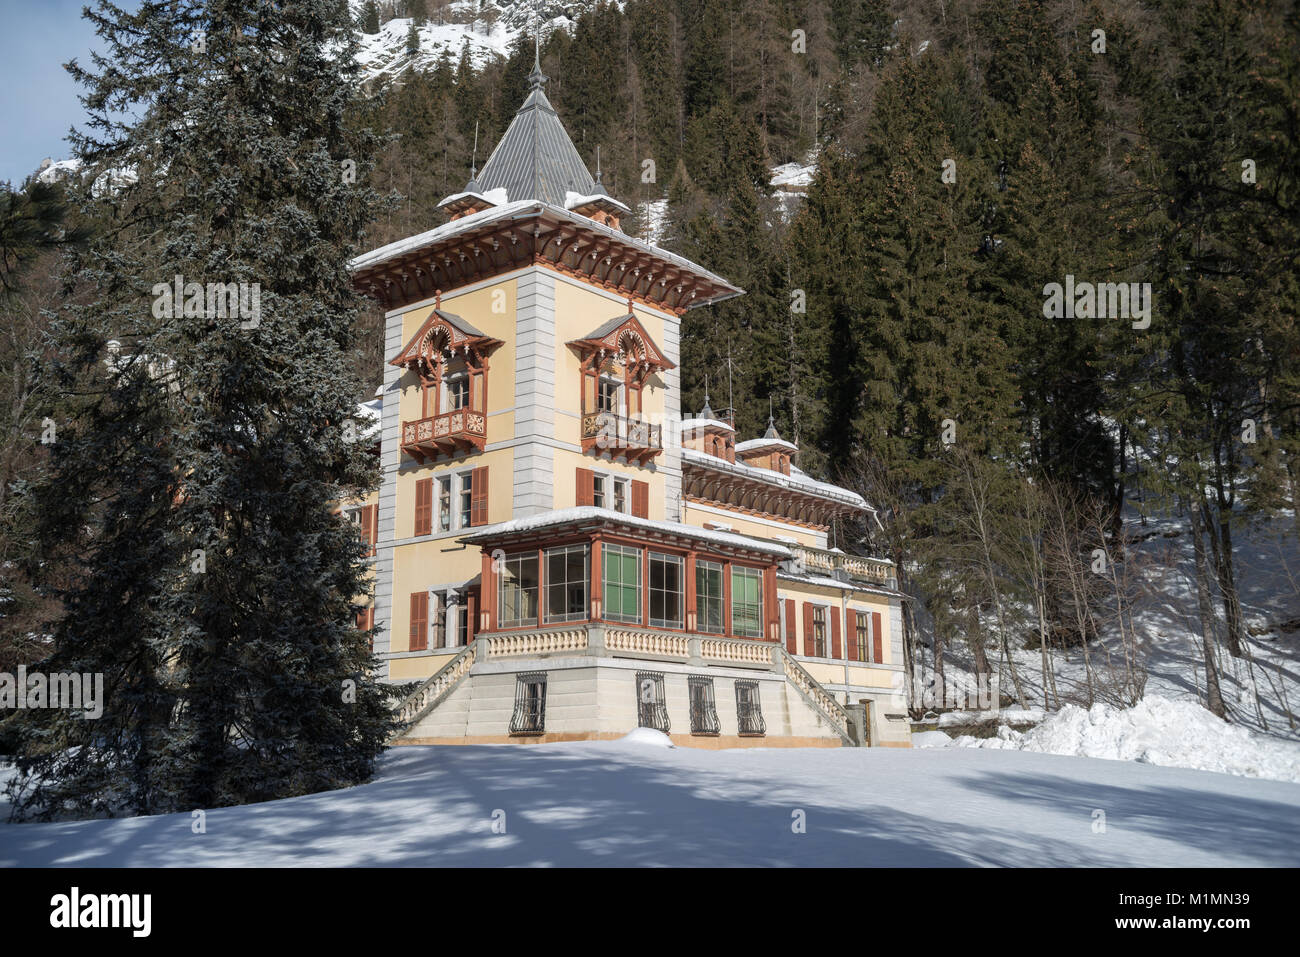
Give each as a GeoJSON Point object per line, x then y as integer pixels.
{"type": "Point", "coordinates": [535, 158]}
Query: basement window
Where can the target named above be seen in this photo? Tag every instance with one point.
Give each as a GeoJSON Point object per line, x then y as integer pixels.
{"type": "Point", "coordinates": [704, 712]}
{"type": "Point", "coordinates": [530, 704]}
{"type": "Point", "coordinates": [651, 702]}
{"type": "Point", "coordinates": [749, 710]}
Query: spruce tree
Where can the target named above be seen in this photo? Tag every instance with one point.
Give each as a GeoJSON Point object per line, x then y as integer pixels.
{"type": "Point", "coordinates": [196, 475]}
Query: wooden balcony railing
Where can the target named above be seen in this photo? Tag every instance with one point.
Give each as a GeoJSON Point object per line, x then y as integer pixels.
{"type": "Point", "coordinates": [444, 434]}
{"type": "Point", "coordinates": [824, 561]}
{"type": "Point", "coordinates": [636, 439]}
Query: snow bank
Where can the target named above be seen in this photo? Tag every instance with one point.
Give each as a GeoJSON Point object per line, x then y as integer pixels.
{"type": "Point", "coordinates": [1156, 731]}
{"type": "Point", "coordinates": [648, 737]}
{"type": "Point", "coordinates": [930, 739]}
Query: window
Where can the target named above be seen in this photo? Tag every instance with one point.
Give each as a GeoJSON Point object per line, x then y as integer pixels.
{"type": "Point", "coordinates": [622, 582]}
{"type": "Point", "coordinates": [444, 503]}
{"type": "Point", "coordinates": [864, 635]}
{"type": "Point", "coordinates": [438, 609]}
{"type": "Point", "coordinates": [746, 602]}
{"type": "Point", "coordinates": [466, 499]}
{"type": "Point", "coordinates": [518, 590]}
{"type": "Point", "coordinates": [819, 631]}
{"type": "Point", "coordinates": [665, 590]}
{"type": "Point", "coordinates": [457, 392]}
{"type": "Point", "coordinates": [610, 491]}
{"type": "Point", "coordinates": [708, 597]}
{"type": "Point", "coordinates": [607, 395]}
{"type": "Point", "coordinates": [749, 709]}
{"type": "Point", "coordinates": [462, 624]}
{"type": "Point", "coordinates": [651, 702]}
{"type": "Point", "coordinates": [530, 704]}
{"type": "Point", "coordinates": [566, 583]}
{"type": "Point", "coordinates": [704, 714]}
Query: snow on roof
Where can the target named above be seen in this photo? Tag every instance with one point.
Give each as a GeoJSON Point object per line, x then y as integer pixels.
{"type": "Point", "coordinates": [764, 444]}
{"type": "Point", "coordinates": [368, 417]}
{"type": "Point", "coordinates": [517, 210]}
{"type": "Point", "coordinates": [797, 478]}
{"type": "Point", "coordinates": [495, 197]}
{"type": "Point", "coordinates": [586, 513]}
{"type": "Point", "coordinates": [704, 423]}
{"type": "Point", "coordinates": [823, 582]}
{"type": "Point", "coordinates": [438, 233]}
{"type": "Point", "coordinates": [573, 200]}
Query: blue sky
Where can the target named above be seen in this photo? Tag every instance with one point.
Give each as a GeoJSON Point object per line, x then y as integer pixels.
{"type": "Point", "coordinates": [38, 100]}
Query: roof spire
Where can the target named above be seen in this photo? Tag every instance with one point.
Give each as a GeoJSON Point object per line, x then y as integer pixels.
{"type": "Point", "coordinates": [706, 412]}
{"type": "Point", "coordinates": [472, 185]}
{"type": "Point", "coordinates": [537, 78]}
{"type": "Point", "coordinates": [599, 185]}
{"type": "Point", "coordinates": [771, 432]}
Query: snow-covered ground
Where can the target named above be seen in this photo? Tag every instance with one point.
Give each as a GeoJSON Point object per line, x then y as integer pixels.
{"type": "Point", "coordinates": [1156, 730]}
{"type": "Point", "coordinates": [1262, 694]}
{"type": "Point", "coordinates": [637, 803]}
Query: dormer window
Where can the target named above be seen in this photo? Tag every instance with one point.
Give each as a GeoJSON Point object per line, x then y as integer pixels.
{"type": "Point", "coordinates": [617, 362]}
{"type": "Point", "coordinates": [448, 358]}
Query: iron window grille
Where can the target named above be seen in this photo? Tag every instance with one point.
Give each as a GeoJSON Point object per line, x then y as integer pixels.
{"type": "Point", "coordinates": [704, 713]}
{"type": "Point", "coordinates": [530, 704]}
{"type": "Point", "coordinates": [651, 703]}
{"type": "Point", "coordinates": [749, 709]}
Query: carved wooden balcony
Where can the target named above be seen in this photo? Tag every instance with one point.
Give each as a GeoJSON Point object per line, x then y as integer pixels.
{"type": "Point", "coordinates": [444, 434]}
{"type": "Point", "coordinates": [635, 439]}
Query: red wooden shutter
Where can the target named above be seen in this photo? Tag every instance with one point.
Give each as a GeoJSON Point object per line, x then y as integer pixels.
{"type": "Point", "coordinates": [471, 618]}
{"type": "Point", "coordinates": [586, 484]}
{"type": "Point", "coordinates": [419, 620]}
{"type": "Point", "coordinates": [423, 506]}
{"type": "Point", "coordinates": [809, 648]}
{"type": "Point", "coordinates": [851, 633]}
{"type": "Point", "coordinates": [835, 632]}
{"type": "Point", "coordinates": [877, 639]}
{"type": "Point", "coordinates": [640, 499]}
{"type": "Point", "coordinates": [478, 496]}
{"type": "Point", "coordinates": [791, 628]}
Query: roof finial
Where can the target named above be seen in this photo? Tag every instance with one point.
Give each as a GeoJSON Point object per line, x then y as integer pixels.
{"type": "Point", "coordinates": [707, 411]}
{"type": "Point", "coordinates": [599, 184]}
{"type": "Point", "coordinates": [537, 78]}
{"type": "Point", "coordinates": [771, 432]}
{"type": "Point", "coordinates": [437, 299]}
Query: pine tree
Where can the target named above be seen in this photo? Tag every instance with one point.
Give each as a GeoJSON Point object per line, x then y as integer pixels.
{"type": "Point", "coordinates": [195, 476]}
{"type": "Point", "coordinates": [370, 17]}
